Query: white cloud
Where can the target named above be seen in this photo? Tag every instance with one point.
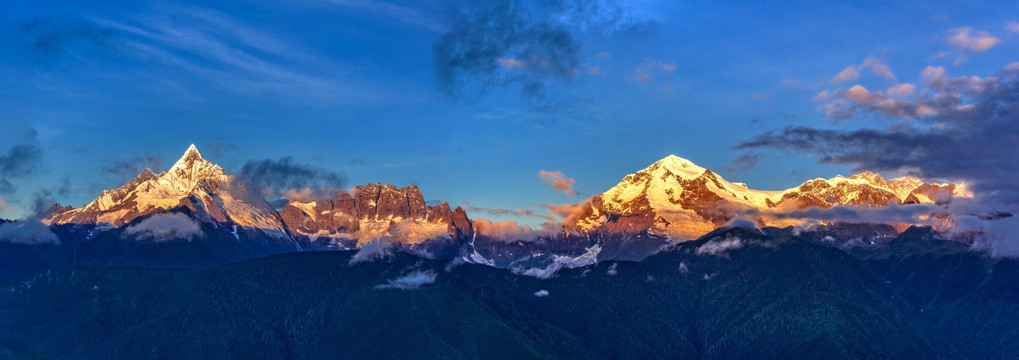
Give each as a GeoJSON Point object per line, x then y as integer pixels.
{"type": "Point", "coordinates": [411, 281]}
{"type": "Point", "coordinates": [28, 231]}
{"type": "Point", "coordinates": [376, 249]}
{"type": "Point", "coordinates": [612, 269]}
{"type": "Point", "coordinates": [998, 237]}
{"type": "Point", "coordinates": [741, 223]}
{"type": "Point", "coordinates": [716, 247]}
{"type": "Point", "coordinates": [559, 262]}
{"type": "Point", "coordinates": [165, 227]}
{"type": "Point", "coordinates": [541, 293]}
{"type": "Point", "coordinates": [975, 40]}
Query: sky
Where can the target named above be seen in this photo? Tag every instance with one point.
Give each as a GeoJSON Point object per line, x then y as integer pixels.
{"type": "Point", "coordinates": [504, 104]}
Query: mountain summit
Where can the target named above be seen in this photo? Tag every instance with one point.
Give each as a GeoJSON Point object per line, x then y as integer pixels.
{"type": "Point", "coordinates": [677, 198]}
{"type": "Point", "coordinates": [193, 183]}
{"type": "Point", "coordinates": [191, 169]}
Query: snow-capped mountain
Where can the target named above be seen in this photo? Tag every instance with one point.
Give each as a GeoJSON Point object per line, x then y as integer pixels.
{"type": "Point", "coordinates": [670, 201]}
{"type": "Point", "coordinates": [192, 182]}
{"type": "Point", "coordinates": [677, 198]}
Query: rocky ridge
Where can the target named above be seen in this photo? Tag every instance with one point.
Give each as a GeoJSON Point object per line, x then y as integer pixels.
{"type": "Point", "coordinates": [372, 211]}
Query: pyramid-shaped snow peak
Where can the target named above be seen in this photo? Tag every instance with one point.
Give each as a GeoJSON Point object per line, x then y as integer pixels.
{"type": "Point", "coordinates": [191, 169]}
{"type": "Point", "coordinates": [191, 182]}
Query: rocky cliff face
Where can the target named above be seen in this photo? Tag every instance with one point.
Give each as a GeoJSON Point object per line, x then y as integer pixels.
{"type": "Point", "coordinates": [375, 211]}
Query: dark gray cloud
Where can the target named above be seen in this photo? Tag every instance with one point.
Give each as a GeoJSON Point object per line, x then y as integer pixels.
{"type": "Point", "coordinates": [52, 38]}
{"type": "Point", "coordinates": [501, 43]}
{"type": "Point", "coordinates": [532, 47]}
{"type": "Point", "coordinates": [962, 129]}
{"type": "Point", "coordinates": [219, 147]}
{"type": "Point", "coordinates": [21, 160]}
{"type": "Point", "coordinates": [745, 161]}
{"type": "Point", "coordinates": [123, 170]}
{"type": "Point", "coordinates": [6, 188]}
{"type": "Point", "coordinates": [44, 198]}
{"type": "Point", "coordinates": [286, 174]}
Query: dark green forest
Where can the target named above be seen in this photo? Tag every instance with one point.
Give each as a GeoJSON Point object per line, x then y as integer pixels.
{"type": "Point", "coordinates": [777, 296]}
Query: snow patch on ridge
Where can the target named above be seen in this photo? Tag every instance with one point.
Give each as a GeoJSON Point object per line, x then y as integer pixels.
{"type": "Point", "coordinates": [559, 262]}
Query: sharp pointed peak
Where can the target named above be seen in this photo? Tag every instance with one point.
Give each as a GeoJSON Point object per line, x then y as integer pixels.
{"type": "Point", "coordinates": [192, 149]}
{"type": "Point", "coordinates": [190, 156]}
{"type": "Point", "coordinates": [192, 163]}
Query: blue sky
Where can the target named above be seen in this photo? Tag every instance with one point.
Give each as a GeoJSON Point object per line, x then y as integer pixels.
{"type": "Point", "coordinates": [357, 87]}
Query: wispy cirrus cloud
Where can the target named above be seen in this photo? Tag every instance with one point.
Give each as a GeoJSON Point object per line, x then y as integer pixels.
{"type": "Point", "coordinates": [405, 14]}
{"type": "Point", "coordinates": [519, 211]}
{"type": "Point", "coordinates": [122, 170]}
{"type": "Point", "coordinates": [173, 47]}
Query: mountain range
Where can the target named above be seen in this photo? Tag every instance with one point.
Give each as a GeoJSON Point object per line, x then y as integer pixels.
{"type": "Point", "coordinates": [195, 214]}
{"type": "Point", "coordinates": [672, 262]}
